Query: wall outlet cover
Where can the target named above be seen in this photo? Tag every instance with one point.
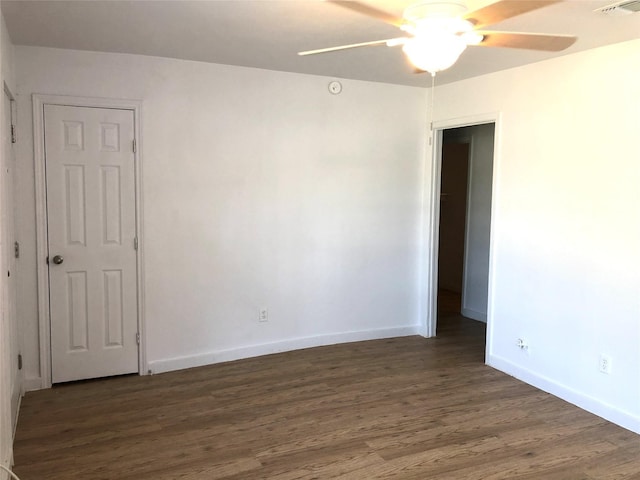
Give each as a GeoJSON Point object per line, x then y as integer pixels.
{"type": "Point", "coordinates": [605, 364]}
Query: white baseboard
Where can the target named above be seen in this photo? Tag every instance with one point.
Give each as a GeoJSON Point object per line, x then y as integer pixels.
{"type": "Point", "coordinates": [218, 356]}
{"type": "Point", "coordinates": [474, 315]}
{"type": "Point", "coordinates": [590, 404]}
{"type": "Point", "coordinates": [423, 331]}
{"type": "Point", "coordinates": [31, 384]}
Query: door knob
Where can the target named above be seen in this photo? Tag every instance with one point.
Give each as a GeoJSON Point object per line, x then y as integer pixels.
{"type": "Point", "coordinates": [58, 259]}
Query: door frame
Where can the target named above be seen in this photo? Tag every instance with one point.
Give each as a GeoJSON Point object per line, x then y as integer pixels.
{"type": "Point", "coordinates": [433, 212]}
{"type": "Point", "coordinates": [42, 241]}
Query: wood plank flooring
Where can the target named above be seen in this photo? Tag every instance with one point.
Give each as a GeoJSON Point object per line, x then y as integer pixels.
{"type": "Point", "coordinates": [402, 408]}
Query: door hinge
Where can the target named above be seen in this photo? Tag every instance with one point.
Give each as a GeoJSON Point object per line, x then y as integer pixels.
{"type": "Point", "coordinates": [138, 338]}
{"type": "Point", "coordinates": [16, 249]}
{"type": "Point", "coordinates": [19, 361]}
{"type": "Point", "coordinates": [133, 142]}
{"type": "Point", "coordinates": [13, 134]}
{"type": "Point", "coordinates": [135, 243]}
{"type": "Point", "coordinates": [47, 260]}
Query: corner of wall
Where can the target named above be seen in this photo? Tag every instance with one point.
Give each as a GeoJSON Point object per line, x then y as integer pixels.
{"type": "Point", "coordinates": [7, 56]}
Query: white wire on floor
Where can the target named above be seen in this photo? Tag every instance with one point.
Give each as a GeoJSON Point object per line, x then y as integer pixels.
{"type": "Point", "coordinates": [13, 475]}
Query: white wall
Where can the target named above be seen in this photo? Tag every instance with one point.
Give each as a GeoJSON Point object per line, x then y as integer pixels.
{"type": "Point", "coordinates": [566, 223]}
{"type": "Point", "coordinates": [10, 387]}
{"type": "Point", "coordinates": [260, 189]}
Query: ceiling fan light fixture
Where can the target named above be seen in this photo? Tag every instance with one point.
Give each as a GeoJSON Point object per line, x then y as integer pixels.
{"type": "Point", "coordinates": [434, 53]}
{"type": "Point", "coordinates": [472, 38]}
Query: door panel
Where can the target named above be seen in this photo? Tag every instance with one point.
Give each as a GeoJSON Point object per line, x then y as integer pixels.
{"type": "Point", "coordinates": [10, 374]}
{"type": "Point", "coordinates": [90, 173]}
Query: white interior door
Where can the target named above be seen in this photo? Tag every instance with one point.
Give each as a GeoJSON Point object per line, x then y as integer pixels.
{"type": "Point", "coordinates": [8, 255]}
{"type": "Point", "coordinates": [90, 177]}
{"type": "Point", "coordinates": [10, 378]}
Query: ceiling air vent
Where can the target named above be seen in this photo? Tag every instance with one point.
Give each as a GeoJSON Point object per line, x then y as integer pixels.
{"type": "Point", "coordinates": [621, 8]}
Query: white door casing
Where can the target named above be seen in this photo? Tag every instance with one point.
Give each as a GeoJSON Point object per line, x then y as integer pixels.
{"type": "Point", "coordinates": [91, 212]}
{"type": "Point", "coordinates": [432, 215]}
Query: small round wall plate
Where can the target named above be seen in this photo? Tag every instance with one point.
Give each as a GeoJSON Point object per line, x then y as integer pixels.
{"type": "Point", "coordinates": [335, 87]}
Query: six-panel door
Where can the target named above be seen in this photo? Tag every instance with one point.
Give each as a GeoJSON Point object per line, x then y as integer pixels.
{"type": "Point", "coordinates": [90, 171]}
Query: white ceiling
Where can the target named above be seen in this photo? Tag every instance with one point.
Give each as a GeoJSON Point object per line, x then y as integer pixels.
{"type": "Point", "coordinates": [268, 33]}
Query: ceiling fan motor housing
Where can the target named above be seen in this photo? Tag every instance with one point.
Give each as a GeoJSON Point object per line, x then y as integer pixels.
{"type": "Point", "coordinates": [434, 9]}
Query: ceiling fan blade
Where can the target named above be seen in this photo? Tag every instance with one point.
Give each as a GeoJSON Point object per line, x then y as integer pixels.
{"type": "Point", "coordinates": [528, 41]}
{"type": "Point", "coordinates": [391, 42]}
{"type": "Point", "coordinates": [504, 9]}
{"type": "Point", "coordinates": [369, 11]}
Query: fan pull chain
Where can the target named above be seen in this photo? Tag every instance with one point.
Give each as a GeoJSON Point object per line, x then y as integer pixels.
{"type": "Point", "coordinates": [433, 89]}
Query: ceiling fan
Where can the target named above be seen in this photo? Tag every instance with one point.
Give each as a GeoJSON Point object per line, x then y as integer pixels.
{"type": "Point", "coordinates": [438, 31]}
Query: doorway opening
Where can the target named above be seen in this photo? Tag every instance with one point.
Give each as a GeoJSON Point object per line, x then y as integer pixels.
{"type": "Point", "coordinates": [464, 228]}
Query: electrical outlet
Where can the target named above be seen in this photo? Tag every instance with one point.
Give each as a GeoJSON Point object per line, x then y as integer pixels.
{"type": "Point", "coordinates": [263, 315]}
{"type": "Point", "coordinates": [605, 364]}
{"type": "Point", "coordinates": [522, 344]}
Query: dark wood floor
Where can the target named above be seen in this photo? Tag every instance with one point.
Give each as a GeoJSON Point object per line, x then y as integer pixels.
{"type": "Point", "coordinates": [404, 408]}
